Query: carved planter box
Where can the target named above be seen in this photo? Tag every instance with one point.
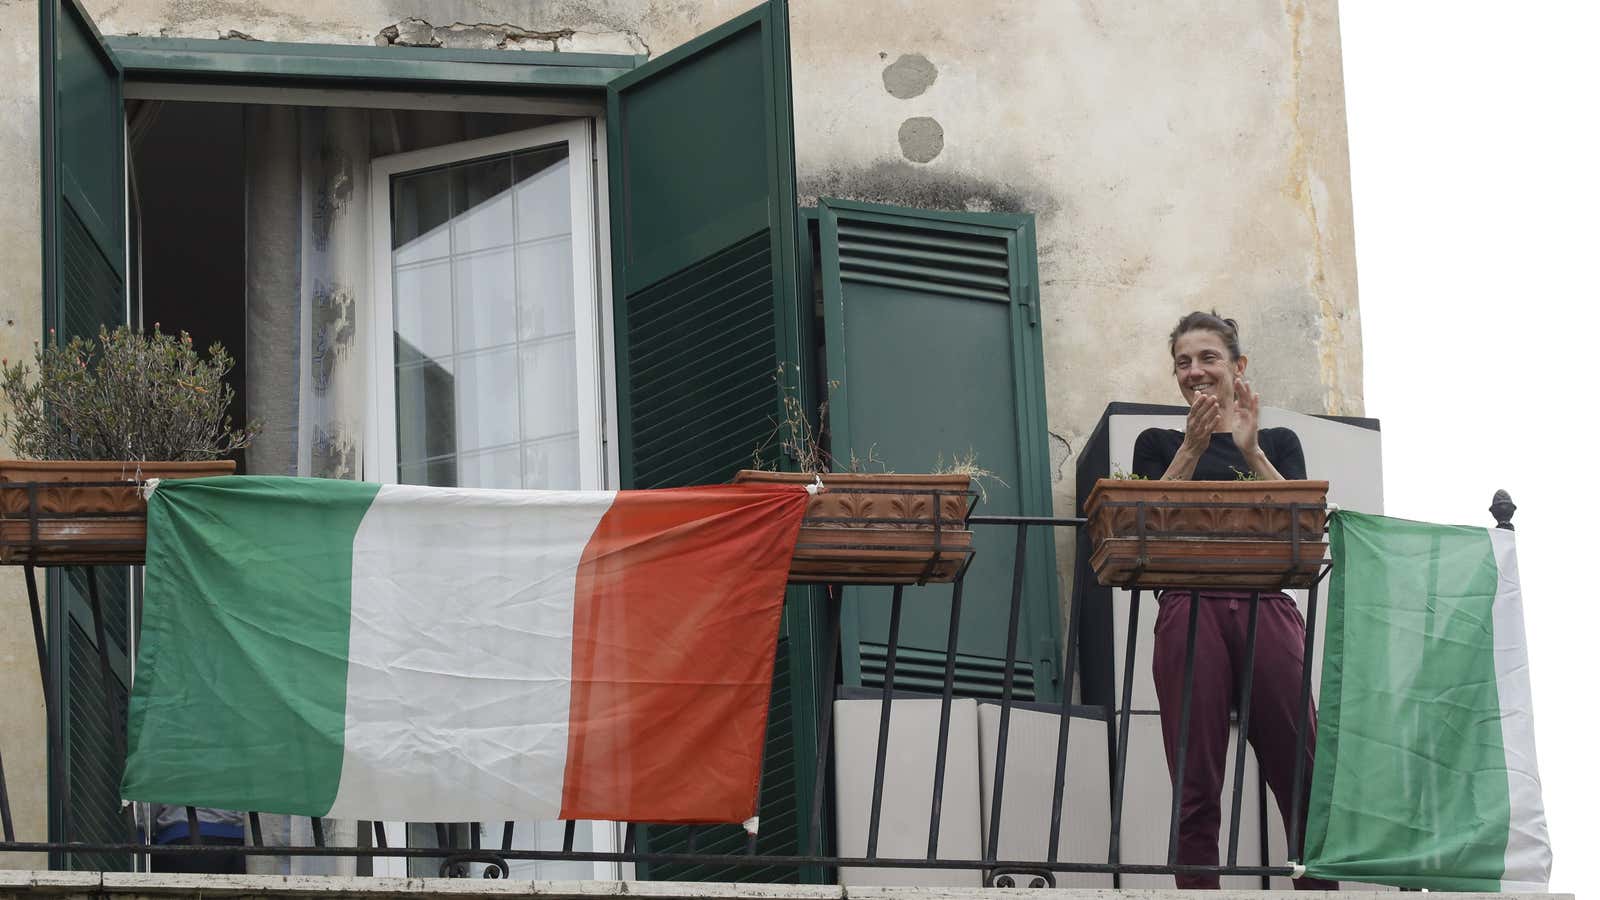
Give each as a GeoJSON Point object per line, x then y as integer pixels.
{"type": "Point", "coordinates": [81, 512]}
{"type": "Point", "coordinates": [879, 529]}
{"type": "Point", "coordinates": [1243, 535]}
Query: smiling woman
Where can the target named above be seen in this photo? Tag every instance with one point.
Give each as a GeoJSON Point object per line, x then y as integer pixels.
{"type": "Point", "coordinates": [1222, 441]}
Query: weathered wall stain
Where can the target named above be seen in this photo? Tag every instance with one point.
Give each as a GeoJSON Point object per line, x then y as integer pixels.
{"type": "Point", "coordinates": [921, 138]}
{"type": "Point", "coordinates": [900, 183]}
{"type": "Point", "coordinates": [1302, 188]}
{"type": "Point", "coordinates": [909, 76]}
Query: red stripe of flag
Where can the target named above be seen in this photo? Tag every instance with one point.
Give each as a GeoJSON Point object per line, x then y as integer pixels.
{"type": "Point", "coordinates": [675, 624]}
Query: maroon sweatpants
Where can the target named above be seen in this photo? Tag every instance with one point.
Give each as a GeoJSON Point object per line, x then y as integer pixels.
{"type": "Point", "coordinates": [1220, 637]}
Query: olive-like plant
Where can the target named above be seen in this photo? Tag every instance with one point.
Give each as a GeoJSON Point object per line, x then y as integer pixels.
{"type": "Point", "coordinates": [126, 395]}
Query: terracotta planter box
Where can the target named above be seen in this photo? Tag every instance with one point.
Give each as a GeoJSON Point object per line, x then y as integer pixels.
{"type": "Point", "coordinates": [1212, 534]}
{"type": "Point", "coordinates": [879, 529]}
{"type": "Point", "coordinates": [84, 512]}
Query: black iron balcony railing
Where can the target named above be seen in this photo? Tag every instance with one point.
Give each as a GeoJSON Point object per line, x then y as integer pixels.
{"type": "Point", "coordinates": [996, 869]}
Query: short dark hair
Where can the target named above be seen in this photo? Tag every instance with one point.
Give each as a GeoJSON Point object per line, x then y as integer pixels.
{"type": "Point", "coordinates": [1227, 329]}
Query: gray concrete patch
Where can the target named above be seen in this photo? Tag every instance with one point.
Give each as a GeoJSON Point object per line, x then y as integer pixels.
{"type": "Point", "coordinates": [921, 138]}
{"type": "Point", "coordinates": [909, 76]}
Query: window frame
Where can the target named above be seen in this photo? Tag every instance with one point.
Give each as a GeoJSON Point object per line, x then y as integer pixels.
{"type": "Point", "coordinates": [375, 317]}
{"type": "Point", "coordinates": [282, 64]}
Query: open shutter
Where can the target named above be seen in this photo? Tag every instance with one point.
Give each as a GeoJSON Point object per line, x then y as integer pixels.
{"type": "Point", "coordinates": [85, 286]}
{"type": "Point", "coordinates": [701, 160]}
{"type": "Point", "coordinates": [703, 249]}
{"type": "Point", "coordinates": [933, 341]}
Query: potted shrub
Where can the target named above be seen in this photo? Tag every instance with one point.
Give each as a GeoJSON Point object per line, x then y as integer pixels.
{"type": "Point", "coordinates": [1241, 535]}
{"type": "Point", "coordinates": [866, 527]}
{"type": "Point", "coordinates": [95, 420]}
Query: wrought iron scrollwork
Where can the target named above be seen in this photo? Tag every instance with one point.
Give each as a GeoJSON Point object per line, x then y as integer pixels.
{"type": "Point", "coordinates": [1020, 878]}
{"type": "Point", "coordinates": [455, 865]}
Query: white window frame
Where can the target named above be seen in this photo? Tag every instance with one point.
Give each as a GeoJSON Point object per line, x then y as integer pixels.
{"type": "Point", "coordinates": [591, 292]}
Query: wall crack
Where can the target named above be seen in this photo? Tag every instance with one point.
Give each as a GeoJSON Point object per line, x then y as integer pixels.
{"type": "Point", "coordinates": [584, 37]}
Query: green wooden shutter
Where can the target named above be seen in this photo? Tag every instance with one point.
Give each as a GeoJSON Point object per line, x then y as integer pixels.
{"type": "Point", "coordinates": [703, 224]}
{"type": "Point", "coordinates": [703, 249]}
{"type": "Point", "coordinates": [933, 342]}
{"type": "Point", "coordinates": [84, 267]}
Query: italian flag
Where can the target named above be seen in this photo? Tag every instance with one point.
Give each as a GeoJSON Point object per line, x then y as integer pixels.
{"type": "Point", "coordinates": [335, 648]}
{"type": "Point", "coordinates": [1425, 770]}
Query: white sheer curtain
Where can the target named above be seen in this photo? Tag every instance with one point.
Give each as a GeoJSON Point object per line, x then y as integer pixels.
{"type": "Point", "coordinates": [307, 173]}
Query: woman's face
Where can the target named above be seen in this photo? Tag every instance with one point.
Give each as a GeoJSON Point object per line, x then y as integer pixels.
{"type": "Point", "coordinates": [1200, 362]}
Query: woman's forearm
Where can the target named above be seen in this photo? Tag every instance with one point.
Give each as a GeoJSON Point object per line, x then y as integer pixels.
{"type": "Point", "coordinates": [1183, 463]}
{"type": "Point", "coordinates": [1262, 467]}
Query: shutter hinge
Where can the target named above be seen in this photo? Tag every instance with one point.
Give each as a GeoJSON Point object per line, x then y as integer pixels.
{"type": "Point", "coordinates": [1047, 660]}
{"type": "Point", "coordinates": [1028, 293]}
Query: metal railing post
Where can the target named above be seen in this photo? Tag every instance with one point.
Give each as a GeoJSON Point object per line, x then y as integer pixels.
{"type": "Point", "coordinates": [1185, 708]}
{"type": "Point", "coordinates": [1069, 671]}
{"type": "Point", "coordinates": [946, 697]}
{"type": "Point", "coordinates": [884, 705]}
{"type": "Point", "coordinates": [832, 599]}
{"type": "Point", "coordinates": [1246, 689]}
{"type": "Point", "coordinates": [1018, 573]}
{"type": "Point", "coordinates": [1124, 719]}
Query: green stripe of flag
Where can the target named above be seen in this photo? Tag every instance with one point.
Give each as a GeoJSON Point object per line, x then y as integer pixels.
{"type": "Point", "coordinates": [254, 677]}
{"type": "Point", "coordinates": [1410, 785]}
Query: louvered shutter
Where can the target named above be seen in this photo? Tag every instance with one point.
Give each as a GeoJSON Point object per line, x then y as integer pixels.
{"type": "Point", "coordinates": [81, 169]}
{"type": "Point", "coordinates": [703, 246]}
{"type": "Point", "coordinates": [933, 341]}
{"type": "Point", "coordinates": [703, 230]}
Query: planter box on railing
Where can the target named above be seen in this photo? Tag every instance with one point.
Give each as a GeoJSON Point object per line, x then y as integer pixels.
{"type": "Point", "coordinates": [81, 512]}
{"type": "Point", "coordinates": [879, 529]}
{"type": "Point", "coordinates": [1240, 535]}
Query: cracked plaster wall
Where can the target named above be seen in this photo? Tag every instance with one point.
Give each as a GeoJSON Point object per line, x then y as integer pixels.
{"type": "Point", "coordinates": [1176, 155]}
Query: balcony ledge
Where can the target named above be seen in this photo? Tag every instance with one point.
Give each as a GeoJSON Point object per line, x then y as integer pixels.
{"type": "Point", "coordinates": [26, 885]}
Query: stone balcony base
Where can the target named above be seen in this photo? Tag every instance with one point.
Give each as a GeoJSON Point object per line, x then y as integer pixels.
{"type": "Point", "coordinates": [25, 885]}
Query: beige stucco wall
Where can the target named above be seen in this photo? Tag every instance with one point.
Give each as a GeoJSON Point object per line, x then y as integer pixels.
{"type": "Point", "coordinates": [22, 721]}
{"type": "Point", "coordinates": [1177, 155]}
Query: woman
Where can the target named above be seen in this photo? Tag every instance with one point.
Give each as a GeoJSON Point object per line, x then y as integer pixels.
{"type": "Point", "coordinates": [1222, 441]}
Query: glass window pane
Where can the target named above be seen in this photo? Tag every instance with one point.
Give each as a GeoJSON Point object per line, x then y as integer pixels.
{"type": "Point", "coordinates": [422, 311]}
{"type": "Point", "coordinates": [544, 193]}
{"type": "Point", "coordinates": [425, 401]}
{"type": "Point", "coordinates": [549, 388]}
{"type": "Point", "coordinates": [435, 472]}
{"type": "Point", "coordinates": [420, 208]}
{"type": "Point", "coordinates": [486, 312]}
{"type": "Point", "coordinates": [544, 288]}
{"type": "Point", "coordinates": [485, 333]}
{"type": "Point", "coordinates": [492, 469]}
{"type": "Point", "coordinates": [552, 465]}
{"type": "Point", "coordinates": [481, 204]}
{"type": "Point", "coordinates": [486, 399]}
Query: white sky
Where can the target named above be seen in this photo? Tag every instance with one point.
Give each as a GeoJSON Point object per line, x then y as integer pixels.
{"type": "Point", "coordinates": [1474, 141]}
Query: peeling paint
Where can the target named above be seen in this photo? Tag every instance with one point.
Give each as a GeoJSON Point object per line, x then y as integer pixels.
{"type": "Point", "coordinates": [588, 37]}
{"type": "Point", "coordinates": [1060, 455]}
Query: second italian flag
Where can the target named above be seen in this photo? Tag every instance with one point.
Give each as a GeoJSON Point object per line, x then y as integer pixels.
{"type": "Point", "coordinates": [332, 648]}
